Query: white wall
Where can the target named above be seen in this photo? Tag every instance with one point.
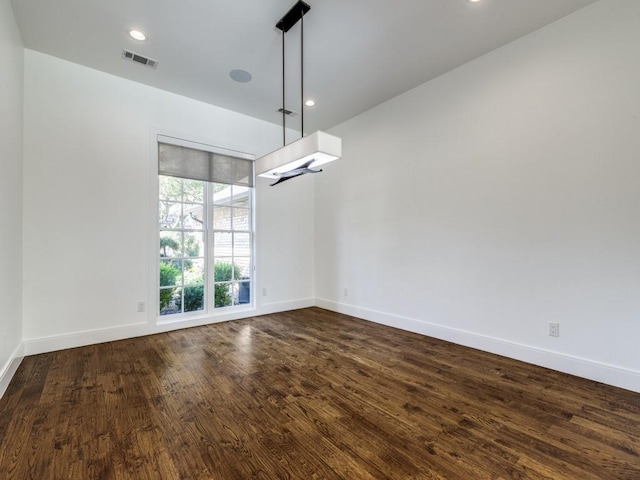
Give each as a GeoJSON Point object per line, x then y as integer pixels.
{"type": "Point", "coordinates": [285, 247]}
{"type": "Point", "coordinates": [89, 209]}
{"type": "Point", "coordinates": [499, 197]}
{"type": "Point", "coordinates": [11, 95]}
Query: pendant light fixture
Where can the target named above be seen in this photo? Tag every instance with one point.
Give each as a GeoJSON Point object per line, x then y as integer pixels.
{"type": "Point", "coordinates": [305, 154]}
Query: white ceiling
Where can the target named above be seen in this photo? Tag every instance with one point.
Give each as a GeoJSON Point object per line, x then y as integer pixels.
{"type": "Point", "coordinates": [358, 53]}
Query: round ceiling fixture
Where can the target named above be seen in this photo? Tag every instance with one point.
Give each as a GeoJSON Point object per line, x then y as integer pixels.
{"type": "Point", "coordinates": [310, 103]}
{"type": "Point", "coordinates": [240, 76]}
{"type": "Point", "coordinates": [138, 35]}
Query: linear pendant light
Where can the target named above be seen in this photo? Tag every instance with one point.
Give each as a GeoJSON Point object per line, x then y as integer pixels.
{"type": "Point", "coordinates": [303, 155]}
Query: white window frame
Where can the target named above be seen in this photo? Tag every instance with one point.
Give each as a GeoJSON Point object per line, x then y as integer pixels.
{"type": "Point", "coordinates": [210, 313]}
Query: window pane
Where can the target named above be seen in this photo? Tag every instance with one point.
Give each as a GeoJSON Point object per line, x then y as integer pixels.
{"type": "Point", "coordinates": [193, 215]}
{"type": "Point", "coordinates": [244, 293]}
{"type": "Point", "coordinates": [240, 197]}
{"type": "Point", "coordinates": [170, 301]}
{"type": "Point", "coordinates": [223, 295]}
{"type": "Point", "coordinates": [222, 218]}
{"type": "Point", "coordinates": [194, 244]}
{"type": "Point", "coordinates": [193, 272]}
{"type": "Point", "coordinates": [241, 219]}
{"type": "Point", "coordinates": [170, 273]}
{"type": "Point", "coordinates": [241, 244]}
{"type": "Point", "coordinates": [243, 268]}
{"type": "Point", "coordinates": [170, 215]}
{"type": "Point", "coordinates": [193, 191]}
{"type": "Point", "coordinates": [170, 244]}
{"type": "Point", "coordinates": [193, 298]}
{"type": "Point", "coordinates": [222, 246]}
{"type": "Point", "coordinates": [170, 188]}
{"type": "Point", "coordinates": [222, 194]}
{"type": "Point", "coordinates": [224, 270]}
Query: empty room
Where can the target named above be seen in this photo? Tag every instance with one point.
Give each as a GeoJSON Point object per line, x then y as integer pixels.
{"type": "Point", "coordinates": [320, 239]}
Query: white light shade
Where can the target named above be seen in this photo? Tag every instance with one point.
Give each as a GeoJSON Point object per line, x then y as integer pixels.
{"type": "Point", "coordinates": [319, 146]}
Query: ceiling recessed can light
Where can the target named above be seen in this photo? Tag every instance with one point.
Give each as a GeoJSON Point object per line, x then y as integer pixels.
{"type": "Point", "coordinates": [474, 1]}
{"type": "Point", "coordinates": [138, 35]}
{"type": "Point", "coordinates": [241, 76]}
{"type": "Point", "coordinates": [310, 103]}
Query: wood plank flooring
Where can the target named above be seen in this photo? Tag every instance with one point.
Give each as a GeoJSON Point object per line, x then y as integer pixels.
{"type": "Point", "coordinates": [308, 394]}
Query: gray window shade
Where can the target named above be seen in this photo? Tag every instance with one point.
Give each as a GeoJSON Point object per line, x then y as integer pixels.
{"type": "Point", "coordinates": [183, 162]}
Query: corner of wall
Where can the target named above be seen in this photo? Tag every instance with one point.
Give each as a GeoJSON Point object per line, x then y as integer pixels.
{"type": "Point", "coordinates": [11, 192]}
{"type": "Point", "coordinates": [9, 369]}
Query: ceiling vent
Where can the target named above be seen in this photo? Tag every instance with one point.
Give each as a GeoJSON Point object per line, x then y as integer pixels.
{"type": "Point", "coordinates": [289, 113]}
{"type": "Point", "coordinates": [134, 57]}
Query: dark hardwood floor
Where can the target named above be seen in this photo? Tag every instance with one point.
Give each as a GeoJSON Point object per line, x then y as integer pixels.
{"type": "Point", "coordinates": [308, 394]}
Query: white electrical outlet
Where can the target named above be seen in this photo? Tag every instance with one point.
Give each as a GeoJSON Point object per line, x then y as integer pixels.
{"type": "Point", "coordinates": [264, 292]}
{"type": "Point", "coordinates": [141, 306]}
{"type": "Point", "coordinates": [346, 292]}
{"type": "Point", "coordinates": [554, 329]}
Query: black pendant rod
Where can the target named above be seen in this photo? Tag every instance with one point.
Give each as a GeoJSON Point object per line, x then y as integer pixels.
{"type": "Point", "coordinates": [284, 115]}
{"type": "Point", "coordinates": [295, 14]}
{"type": "Point", "coordinates": [302, 75]}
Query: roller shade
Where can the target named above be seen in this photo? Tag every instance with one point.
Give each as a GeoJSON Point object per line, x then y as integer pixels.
{"type": "Point", "coordinates": [184, 162]}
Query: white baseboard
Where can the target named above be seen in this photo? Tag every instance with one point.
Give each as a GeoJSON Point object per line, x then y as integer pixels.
{"type": "Point", "coordinates": [267, 308]}
{"type": "Point", "coordinates": [9, 368]}
{"type": "Point", "coordinates": [34, 346]}
{"type": "Point", "coordinates": [599, 372]}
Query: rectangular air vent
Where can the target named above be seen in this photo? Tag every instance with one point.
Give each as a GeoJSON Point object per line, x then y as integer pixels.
{"type": "Point", "coordinates": [289, 113]}
{"type": "Point", "coordinates": [135, 57]}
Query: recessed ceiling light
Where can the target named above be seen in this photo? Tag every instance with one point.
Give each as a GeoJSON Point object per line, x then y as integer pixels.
{"type": "Point", "coordinates": [310, 103]}
{"type": "Point", "coordinates": [241, 76]}
{"type": "Point", "coordinates": [474, 1]}
{"type": "Point", "coordinates": [138, 35]}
